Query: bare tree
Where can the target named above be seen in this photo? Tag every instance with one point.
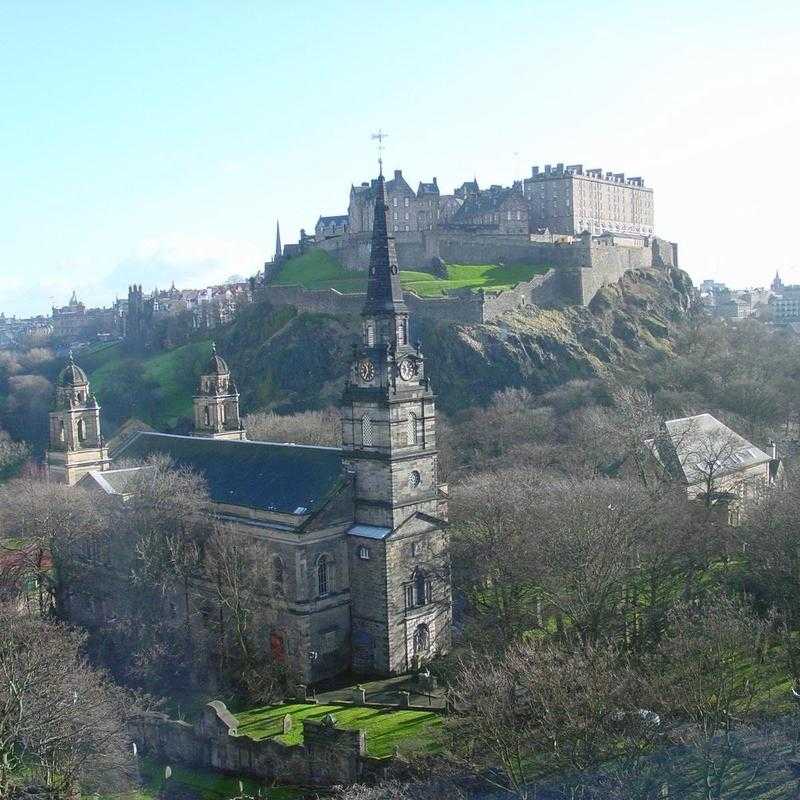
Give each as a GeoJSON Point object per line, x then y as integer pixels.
{"type": "Point", "coordinates": [305, 427]}
{"type": "Point", "coordinates": [61, 722]}
{"type": "Point", "coordinates": [541, 709]}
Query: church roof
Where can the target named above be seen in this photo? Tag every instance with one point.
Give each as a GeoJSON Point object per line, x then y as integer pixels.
{"type": "Point", "coordinates": [692, 447]}
{"type": "Point", "coordinates": [72, 375]}
{"type": "Point", "coordinates": [217, 365]}
{"type": "Point", "coordinates": [284, 478]}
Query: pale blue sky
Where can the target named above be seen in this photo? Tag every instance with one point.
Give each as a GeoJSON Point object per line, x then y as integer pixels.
{"type": "Point", "coordinates": [151, 141]}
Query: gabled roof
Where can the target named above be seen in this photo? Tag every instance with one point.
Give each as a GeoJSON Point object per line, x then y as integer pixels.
{"type": "Point", "coordinates": [120, 482]}
{"type": "Point", "coordinates": [337, 219]}
{"type": "Point", "coordinates": [690, 448]}
{"type": "Point", "coordinates": [284, 478]}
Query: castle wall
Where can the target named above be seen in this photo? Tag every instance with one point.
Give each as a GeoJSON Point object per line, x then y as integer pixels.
{"type": "Point", "coordinates": [578, 271]}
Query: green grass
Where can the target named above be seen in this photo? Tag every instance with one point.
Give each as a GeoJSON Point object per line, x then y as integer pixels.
{"type": "Point", "coordinates": [385, 729]}
{"type": "Point", "coordinates": [174, 372]}
{"type": "Point", "coordinates": [207, 784]}
{"type": "Point", "coordinates": [318, 270]}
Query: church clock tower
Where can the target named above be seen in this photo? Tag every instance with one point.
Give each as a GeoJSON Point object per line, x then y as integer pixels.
{"type": "Point", "coordinates": [399, 560]}
{"type": "Point", "coordinates": [216, 404]}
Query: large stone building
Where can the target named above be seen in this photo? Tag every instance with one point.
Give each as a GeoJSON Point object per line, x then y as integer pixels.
{"type": "Point", "coordinates": [571, 200]}
{"type": "Point", "coordinates": [354, 539]}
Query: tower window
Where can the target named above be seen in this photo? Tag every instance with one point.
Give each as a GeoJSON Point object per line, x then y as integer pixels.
{"type": "Point", "coordinates": [207, 416]}
{"type": "Point", "coordinates": [277, 575]}
{"type": "Point", "coordinates": [62, 436]}
{"type": "Point", "coordinates": [402, 331]}
{"type": "Point", "coordinates": [81, 431]}
{"type": "Point", "coordinates": [367, 436]}
{"type": "Point", "coordinates": [369, 334]}
{"type": "Point", "coordinates": [222, 414]}
{"type": "Point", "coordinates": [412, 431]}
{"type": "Point", "coordinates": [363, 553]}
{"type": "Point", "coordinates": [322, 576]}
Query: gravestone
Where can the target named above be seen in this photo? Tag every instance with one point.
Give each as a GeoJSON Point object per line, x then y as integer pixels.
{"type": "Point", "coordinates": [287, 723]}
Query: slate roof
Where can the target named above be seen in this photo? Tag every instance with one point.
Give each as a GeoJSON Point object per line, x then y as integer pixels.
{"type": "Point", "coordinates": [285, 478]}
{"type": "Point", "coordinates": [338, 219]}
{"type": "Point", "coordinates": [688, 444]}
{"type": "Point", "coordinates": [115, 481]}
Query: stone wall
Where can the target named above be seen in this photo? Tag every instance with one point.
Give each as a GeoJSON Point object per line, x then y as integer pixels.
{"type": "Point", "coordinates": [578, 270]}
{"type": "Point", "coordinates": [329, 755]}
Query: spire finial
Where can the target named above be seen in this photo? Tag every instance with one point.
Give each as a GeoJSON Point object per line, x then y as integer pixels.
{"type": "Point", "coordinates": [380, 136]}
{"type": "Point", "coordinates": [71, 357]}
{"type": "Point", "coordinates": [213, 348]}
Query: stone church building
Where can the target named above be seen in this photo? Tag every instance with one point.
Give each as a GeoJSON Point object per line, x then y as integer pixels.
{"type": "Point", "coordinates": [353, 540]}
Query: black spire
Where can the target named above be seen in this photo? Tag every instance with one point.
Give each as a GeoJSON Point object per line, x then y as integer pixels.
{"type": "Point", "coordinates": [384, 295]}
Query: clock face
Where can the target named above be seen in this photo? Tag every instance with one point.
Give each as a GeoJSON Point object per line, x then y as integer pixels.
{"type": "Point", "coordinates": [407, 369]}
{"type": "Point", "coordinates": [366, 369]}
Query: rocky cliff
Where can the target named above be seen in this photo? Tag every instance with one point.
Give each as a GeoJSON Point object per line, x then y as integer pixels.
{"type": "Point", "coordinates": [303, 364]}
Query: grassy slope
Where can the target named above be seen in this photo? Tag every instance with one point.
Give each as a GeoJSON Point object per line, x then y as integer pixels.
{"type": "Point", "coordinates": [171, 371]}
{"type": "Point", "coordinates": [384, 729]}
{"type": "Point", "coordinates": [317, 270]}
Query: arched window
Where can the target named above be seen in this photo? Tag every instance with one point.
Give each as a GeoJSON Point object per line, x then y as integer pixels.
{"type": "Point", "coordinates": [81, 431]}
{"type": "Point", "coordinates": [367, 436]}
{"type": "Point", "coordinates": [222, 413]}
{"type": "Point", "coordinates": [277, 575]}
{"type": "Point", "coordinates": [422, 639]}
{"type": "Point", "coordinates": [421, 584]}
{"type": "Point", "coordinates": [412, 430]}
{"type": "Point", "coordinates": [207, 417]}
{"type": "Point", "coordinates": [62, 434]}
{"type": "Point", "coordinates": [369, 334]}
{"type": "Point", "coordinates": [322, 576]}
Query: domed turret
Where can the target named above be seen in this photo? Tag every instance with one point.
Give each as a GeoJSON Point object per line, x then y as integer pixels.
{"type": "Point", "coordinates": [72, 375]}
{"type": "Point", "coordinates": [76, 444]}
{"type": "Point", "coordinates": [217, 365]}
{"type": "Point", "coordinates": [216, 404]}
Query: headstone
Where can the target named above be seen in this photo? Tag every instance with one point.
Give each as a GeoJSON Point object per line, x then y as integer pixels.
{"type": "Point", "coordinates": [302, 692]}
{"type": "Point", "coordinates": [329, 721]}
{"type": "Point", "coordinates": [359, 695]}
{"type": "Point", "coordinates": [405, 699]}
{"type": "Point", "coordinates": [287, 723]}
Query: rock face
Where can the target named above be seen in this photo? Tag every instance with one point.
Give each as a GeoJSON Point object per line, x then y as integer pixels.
{"type": "Point", "coordinates": [304, 364]}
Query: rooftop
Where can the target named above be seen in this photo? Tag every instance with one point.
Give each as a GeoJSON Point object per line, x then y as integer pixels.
{"type": "Point", "coordinates": [283, 478]}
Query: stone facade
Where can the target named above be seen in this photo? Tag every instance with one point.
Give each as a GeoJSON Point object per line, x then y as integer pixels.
{"type": "Point", "coordinates": [76, 443]}
{"type": "Point", "coordinates": [216, 405]}
{"type": "Point", "coordinates": [571, 200]}
{"type": "Point", "coordinates": [352, 541]}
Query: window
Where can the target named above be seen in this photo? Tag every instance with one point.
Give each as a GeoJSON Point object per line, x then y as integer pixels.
{"type": "Point", "coordinates": [407, 228]}
{"type": "Point", "coordinates": [411, 428]}
{"type": "Point", "coordinates": [207, 416]}
{"type": "Point", "coordinates": [222, 414]}
{"type": "Point", "coordinates": [421, 584]}
{"type": "Point", "coordinates": [406, 216]}
{"type": "Point", "coordinates": [366, 431]}
{"type": "Point", "coordinates": [414, 549]}
{"type": "Point", "coordinates": [322, 576]}
{"type": "Point", "coordinates": [508, 216]}
{"type": "Point", "coordinates": [406, 205]}
{"type": "Point", "coordinates": [277, 575]}
{"type": "Point", "coordinates": [395, 216]}
{"type": "Point", "coordinates": [62, 436]}
{"type": "Point", "coordinates": [363, 553]}
{"type": "Point", "coordinates": [414, 479]}
{"type": "Point", "coordinates": [396, 228]}
{"type": "Point", "coordinates": [81, 431]}
{"type": "Point", "coordinates": [369, 335]}
{"type": "Point", "coordinates": [409, 593]}
{"type": "Point", "coordinates": [402, 331]}
{"type": "Point", "coordinates": [394, 203]}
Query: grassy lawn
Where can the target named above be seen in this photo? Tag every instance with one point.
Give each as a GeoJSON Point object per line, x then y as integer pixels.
{"type": "Point", "coordinates": [318, 270]}
{"type": "Point", "coordinates": [384, 729]}
{"type": "Point", "coordinates": [208, 785]}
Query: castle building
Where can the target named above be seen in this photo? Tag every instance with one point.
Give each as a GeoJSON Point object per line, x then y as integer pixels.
{"type": "Point", "coordinates": [216, 404]}
{"type": "Point", "coordinates": [76, 444]}
{"type": "Point", "coordinates": [571, 200]}
{"type": "Point", "coordinates": [354, 539]}
{"type": "Point", "coordinates": [496, 209]}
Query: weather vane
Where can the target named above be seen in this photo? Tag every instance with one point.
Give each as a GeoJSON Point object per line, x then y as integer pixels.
{"type": "Point", "coordinates": [380, 136]}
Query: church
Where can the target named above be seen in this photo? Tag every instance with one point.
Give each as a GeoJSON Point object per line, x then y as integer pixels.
{"type": "Point", "coordinates": [353, 539]}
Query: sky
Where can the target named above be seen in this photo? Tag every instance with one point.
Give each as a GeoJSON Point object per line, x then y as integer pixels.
{"type": "Point", "coordinates": [153, 142]}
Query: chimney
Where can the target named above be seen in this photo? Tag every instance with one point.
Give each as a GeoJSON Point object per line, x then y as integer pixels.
{"type": "Point", "coordinates": [534, 171]}
{"type": "Point", "coordinates": [434, 182]}
{"type": "Point", "coordinates": [774, 450]}
{"type": "Point", "coordinates": [398, 173]}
